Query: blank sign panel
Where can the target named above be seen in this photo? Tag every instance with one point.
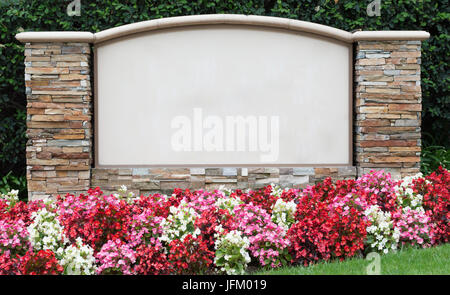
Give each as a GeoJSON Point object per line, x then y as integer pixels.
{"type": "Point", "coordinates": [220, 95]}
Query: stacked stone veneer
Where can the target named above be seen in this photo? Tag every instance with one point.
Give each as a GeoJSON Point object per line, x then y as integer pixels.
{"type": "Point", "coordinates": [59, 132]}
{"type": "Point", "coordinates": [388, 106]}
{"type": "Point", "coordinates": [150, 180]}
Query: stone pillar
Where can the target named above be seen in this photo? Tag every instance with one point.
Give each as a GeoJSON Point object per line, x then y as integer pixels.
{"type": "Point", "coordinates": [388, 107]}
{"type": "Point", "coordinates": [59, 147]}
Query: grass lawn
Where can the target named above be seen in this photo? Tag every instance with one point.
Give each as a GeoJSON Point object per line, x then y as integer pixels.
{"type": "Point", "coordinates": [432, 261]}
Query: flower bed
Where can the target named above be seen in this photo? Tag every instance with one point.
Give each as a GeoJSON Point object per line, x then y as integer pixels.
{"type": "Point", "coordinates": [223, 231]}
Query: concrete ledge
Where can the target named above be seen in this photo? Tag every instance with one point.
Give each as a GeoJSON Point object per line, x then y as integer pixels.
{"type": "Point", "coordinates": [233, 19]}
{"type": "Point", "coordinates": [390, 35]}
{"type": "Point", "coordinates": [85, 37]}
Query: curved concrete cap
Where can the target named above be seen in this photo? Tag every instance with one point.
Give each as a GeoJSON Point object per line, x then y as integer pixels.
{"type": "Point", "coordinates": [253, 20]}
{"type": "Point", "coordinates": [236, 19]}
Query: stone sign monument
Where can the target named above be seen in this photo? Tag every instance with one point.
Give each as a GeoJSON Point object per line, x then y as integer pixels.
{"type": "Point", "coordinates": [210, 100]}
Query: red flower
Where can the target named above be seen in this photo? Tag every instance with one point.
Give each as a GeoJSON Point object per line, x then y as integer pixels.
{"type": "Point", "coordinates": [42, 263]}
{"type": "Point", "coordinates": [322, 230]}
{"type": "Point", "coordinates": [436, 202]}
{"type": "Point", "coordinates": [262, 198]}
{"type": "Point", "coordinates": [9, 265]}
{"type": "Point", "coordinates": [208, 221]}
{"type": "Point", "coordinates": [190, 256]}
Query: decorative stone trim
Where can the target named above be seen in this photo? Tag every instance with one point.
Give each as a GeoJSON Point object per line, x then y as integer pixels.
{"type": "Point", "coordinates": [151, 180]}
{"type": "Point", "coordinates": [388, 106]}
{"type": "Point", "coordinates": [58, 88]}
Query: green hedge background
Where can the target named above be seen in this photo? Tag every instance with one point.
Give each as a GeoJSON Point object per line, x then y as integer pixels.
{"type": "Point", "coordinates": [27, 15]}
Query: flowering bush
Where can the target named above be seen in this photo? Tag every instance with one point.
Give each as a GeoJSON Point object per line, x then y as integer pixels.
{"type": "Point", "coordinates": [231, 252]}
{"type": "Point", "coordinates": [144, 228]}
{"type": "Point", "coordinates": [14, 237]}
{"type": "Point", "coordinates": [9, 264]}
{"type": "Point", "coordinates": [124, 194]}
{"type": "Point", "coordinates": [43, 262]}
{"type": "Point", "coordinates": [180, 223]}
{"type": "Point", "coordinates": [228, 203]}
{"type": "Point", "coordinates": [283, 213]}
{"type": "Point", "coordinates": [13, 210]}
{"type": "Point", "coordinates": [223, 231]}
{"type": "Point", "coordinates": [94, 217]}
{"type": "Point", "coordinates": [264, 198]}
{"type": "Point", "coordinates": [329, 223]}
{"type": "Point", "coordinates": [382, 236]}
{"type": "Point", "coordinates": [115, 257]}
{"type": "Point", "coordinates": [436, 202]}
{"type": "Point", "coordinates": [158, 204]}
{"type": "Point", "coordinates": [151, 260]}
{"type": "Point", "coordinates": [310, 236]}
{"type": "Point", "coordinates": [209, 222]}
{"type": "Point", "coordinates": [414, 227]}
{"type": "Point", "coordinates": [405, 193]}
{"type": "Point", "coordinates": [45, 232]}
{"type": "Point", "coordinates": [267, 240]}
{"type": "Point", "coordinates": [349, 225]}
{"type": "Point", "coordinates": [190, 255]}
{"type": "Point", "coordinates": [9, 199]}
{"type": "Point", "coordinates": [377, 188]}
{"type": "Point", "coordinates": [78, 259]}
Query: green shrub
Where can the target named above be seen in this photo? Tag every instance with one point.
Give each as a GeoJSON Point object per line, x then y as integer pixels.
{"type": "Point", "coordinates": [11, 182]}
{"type": "Point", "coordinates": [434, 156]}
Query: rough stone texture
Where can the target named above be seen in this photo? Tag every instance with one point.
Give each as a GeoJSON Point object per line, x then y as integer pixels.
{"type": "Point", "coordinates": [388, 102]}
{"type": "Point", "coordinates": [152, 180]}
{"type": "Point", "coordinates": [58, 118]}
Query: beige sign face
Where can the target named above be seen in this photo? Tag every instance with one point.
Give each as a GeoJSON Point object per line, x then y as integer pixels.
{"type": "Point", "coordinates": [220, 95]}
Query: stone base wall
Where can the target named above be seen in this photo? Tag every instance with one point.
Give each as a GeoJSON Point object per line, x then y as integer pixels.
{"type": "Point", "coordinates": [388, 104]}
{"type": "Point", "coordinates": [151, 180]}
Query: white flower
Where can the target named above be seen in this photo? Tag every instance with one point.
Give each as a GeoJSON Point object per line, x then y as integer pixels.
{"type": "Point", "coordinates": [45, 232]}
{"type": "Point", "coordinates": [179, 223]}
{"type": "Point", "coordinates": [381, 231]}
{"type": "Point", "coordinates": [78, 259]}
{"type": "Point", "coordinates": [283, 213]}
{"type": "Point", "coordinates": [224, 191]}
{"type": "Point", "coordinates": [228, 204]}
{"type": "Point", "coordinates": [277, 190]}
{"type": "Point", "coordinates": [125, 195]}
{"type": "Point", "coordinates": [405, 193]}
{"type": "Point", "coordinates": [232, 254]}
{"type": "Point", "coordinates": [11, 198]}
